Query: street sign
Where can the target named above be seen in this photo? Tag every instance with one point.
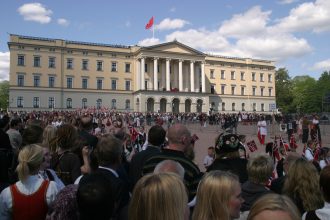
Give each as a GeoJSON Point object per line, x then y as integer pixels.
{"type": "Point", "coordinates": [272, 106]}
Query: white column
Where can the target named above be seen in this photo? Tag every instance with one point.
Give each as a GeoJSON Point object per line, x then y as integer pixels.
{"type": "Point", "coordinates": [142, 74]}
{"type": "Point", "coordinates": [203, 77]}
{"type": "Point", "coordinates": [168, 75]}
{"type": "Point", "coordinates": [138, 75]}
{"type": "Point", "coordinates": [156, 73]}
{"type": "Point", "coordinates": [180, 76]}
{"type": "Point", "coordinates": [192, 81]}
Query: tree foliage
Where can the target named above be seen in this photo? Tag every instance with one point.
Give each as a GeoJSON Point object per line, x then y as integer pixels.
{"type": "Point", "coordinates": [302, 94]}
{"type": "Point", "coordinates": [4, 94]}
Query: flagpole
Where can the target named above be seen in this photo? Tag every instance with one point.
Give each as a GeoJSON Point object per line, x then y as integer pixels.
{"type": "Point", "coordinates": [153, 31]}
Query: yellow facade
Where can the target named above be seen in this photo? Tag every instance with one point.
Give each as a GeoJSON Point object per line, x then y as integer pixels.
{"type": "Point", "coordinates": [62, 74]}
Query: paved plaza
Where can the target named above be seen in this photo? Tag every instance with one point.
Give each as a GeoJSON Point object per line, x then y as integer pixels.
{"type": "Point", "coordinates": [208, 134]}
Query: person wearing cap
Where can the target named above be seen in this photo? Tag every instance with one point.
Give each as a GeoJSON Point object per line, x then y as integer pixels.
{"type": "Point", "coordinates": [227, 147]}
{"type": "Point", "coordinates": [180, 141]}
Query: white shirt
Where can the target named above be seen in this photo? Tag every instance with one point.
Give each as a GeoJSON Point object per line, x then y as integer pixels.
{"type": "Point", "coordinates": [262, 126]}
{"type": "Point", "coordinates": [30, 186]}
{"type": "Point", "coordinates": [309, 154]}
{"type": "Point", "coordinates": [208, 160]}
{"type": "Point", "coordinates": [323, 213]}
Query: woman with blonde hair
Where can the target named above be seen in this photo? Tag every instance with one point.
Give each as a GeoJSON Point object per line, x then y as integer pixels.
{"type": "Point", "coordinates": [48, 137]}
{"type": "Point", "coordinates": [30, 197]}
{"type": "Point", "coordinates": [160, 196]}
{"type": "Point", "coordinates": [302, 186]}
{"type": "Point", "coordinates": [218, 197]}
{"type": "Point", "coordinates": [273, 207]}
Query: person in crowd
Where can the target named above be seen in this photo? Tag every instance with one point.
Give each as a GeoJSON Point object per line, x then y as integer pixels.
{"type": "Point", "coordinates": [302, 186]}
{"type": "Point", "coordinates": [208, 159]}
{"type": "Point", "coordinates": [6, 156]}
{"type": "Point", "coordinates": [227, 156]}
{"type": "Point", "coordinates": [242, 147]}
{"type": "Point", "coordinates": [108, 152]}
{"type": "Point", "coordinates": [86, 130]}
{"type": "Point", "coordinates": [48, 138]}
{"type": "Point", "coordinates": [218, 196]}
{"type": "Point", "coordinates": [46, 172]}
{"type": "Point", "coordinates": [159, 196]}
{"type": "Point", "coordinates": [324, 157]}
{"type": "Point", "coordinates": [95, 199]}
{"type": "Point", "coordinates": [274, 207]}
{"type": "Point", "coordinates": [262, 130]}
{"type": "Point", "coordinates": [170, 166]}
{"type": "Point", "coordinates": [278, 183]}
{"type": "Point", "coordinates": [179, 142]}
{"type": "Point", "coordinates": [156, 137]}
{"type": "Point", "coordinates": [316, 124]}
{"type": "Point", "coordinates": [13, 133]}
{"type": "Point", "coordinates": [30, 197]}
{"type": "Point", "coordinates": [324, 212]}
{"type": "Point", "coordinates": [65, 205]}
{"type": "Point", "coordinates": [305, 130]}
{"type": "Point", "coordinates": [309, 152]}
{"type": "Point", "coordinates": [32, 134]}
{"type": "Point", "coordinates": [259, 170]}
{"type": "Point", "coordinates": [66, 163]}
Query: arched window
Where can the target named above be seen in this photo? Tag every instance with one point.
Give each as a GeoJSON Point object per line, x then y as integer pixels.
{"type": "Point", "coordinates": [98, 103]}
{"type": "Point", "coordinates": [243, 107]}
{"type": "Point", "coordinates": [233, 106]}
{"type": "Point", "coordinates": [113, 103]}
{"type": "Point", "coordinates": [127, 104]}
{"type": "Point", "coordinates": [68, 103]}
{"type": "Point", "coordinates": [84, 103]}
{"type": "Point", "coordinates": [223, 106]}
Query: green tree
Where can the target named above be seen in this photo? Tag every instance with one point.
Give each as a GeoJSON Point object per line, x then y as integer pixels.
{"type": "Point", "coordinates": [4, 94]}
{"type": "Point", "coordinates": [284, 96]}
{"type": "Point", "coordinates": [323, 85]}
{"type": "Point", "coordinates": [305, 93]}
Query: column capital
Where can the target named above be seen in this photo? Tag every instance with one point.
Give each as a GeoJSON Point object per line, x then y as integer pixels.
{"type": "Point", "coordinates": [156, 58]}
{"type": "Point", "coordinates": [143, 57]}
{"type": "Point", "coordinates": [192, 61]}
{"type": "Point", "coordinates": [168, 59]}
{"type": "Point", "coordinates": [181, 60]}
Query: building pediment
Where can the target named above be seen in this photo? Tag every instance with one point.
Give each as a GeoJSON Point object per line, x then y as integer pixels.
{"type": "Point", "coordinates": [172, 47]}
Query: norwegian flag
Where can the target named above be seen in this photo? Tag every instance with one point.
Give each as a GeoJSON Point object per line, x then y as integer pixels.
{"type": "Point", "coordinates": [134, 134]}
{"type": "Point", "coordinates": [293, 143]}
{"type": "Point", "coordinates": [276, 153]}
{"type": "Point", "coordinates": [284, 144]}
{"type": "Point", "coordinates": [252, 146]}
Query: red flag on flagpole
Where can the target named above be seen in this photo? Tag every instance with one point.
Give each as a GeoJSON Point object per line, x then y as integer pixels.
{"type": "Point", "coordinates": [150, 23]}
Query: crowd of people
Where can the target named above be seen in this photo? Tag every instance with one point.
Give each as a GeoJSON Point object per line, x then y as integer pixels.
{"type": "Point", "coordinates": [91, 164]}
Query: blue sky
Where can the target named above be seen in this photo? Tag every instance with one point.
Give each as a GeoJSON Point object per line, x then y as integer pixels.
{"type": "Point", "coordinates": [294, 33]}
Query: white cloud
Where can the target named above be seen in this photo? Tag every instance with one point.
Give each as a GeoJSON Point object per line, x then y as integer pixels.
{"type": "Point", "coordinates": [173, 9]}
{"type": "Point", "coordinates": [35, 12]}
{"type": "Point", "coordinates": [248, 34]}
{"type": "Point", "coordinates": [199, 39]}
{"type": "Point", "coordinates": [309, 16]}
{"type": "Point", "coordinates": [286, 2]}
{"type": "Point", "coordinates": [168, 24]}
{"type": "Point", "coordinates": [63, 22]}
{"type": "Point", "coordinates": [4, 66]}
{"type": "Point", "coordinates": [252, 22]}
{"type": "Point", "coordinates": [275, 47]}
{"type": "Point", "coordinates": [149, 42]}
{"type": "Point", "coordinates": [322, 65]}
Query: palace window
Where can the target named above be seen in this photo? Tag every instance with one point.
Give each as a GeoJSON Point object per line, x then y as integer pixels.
{"type": "Point", "coordinates": [36, 102]}
{"type": "Point", "coordinates": [51, 81]}
{"type": "Point", "coordinates": [68, 103]}
{"type": "Point", "coordinates": [69, 82]}
{"type": "Point", "coordinates": [51, 62]}
{"type": "Point", "coordinates": [20, 80]}
{"type": "Point", "coordinates": [69, 63]}
{"type": "Point", "coordinates": [84, 83]}
{"type": "Point", "coordinates": [20, 60]}
{"type": "Point", "coordinates": [20, 102]}
{"type": "Point", "coordinates": [36, 61]}
{"type": "Point", "coordinates": [36, 81]}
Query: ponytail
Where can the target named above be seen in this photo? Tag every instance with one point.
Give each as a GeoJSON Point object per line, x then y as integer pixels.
{"type": "Point", "coordinates": [30, 159]}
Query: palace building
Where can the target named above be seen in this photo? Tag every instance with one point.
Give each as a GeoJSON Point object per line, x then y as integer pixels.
{"type": "Point", "coordinates": [47, 74]}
